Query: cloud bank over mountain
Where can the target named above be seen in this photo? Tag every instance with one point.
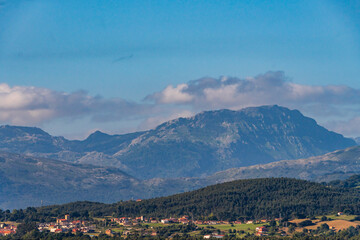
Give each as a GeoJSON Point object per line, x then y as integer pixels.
{"type": "Point", "coordinates": [335, 106]}
{"type": "Point", "coordinates": [268, 88]}
{"type": "Point", "coordinates": [25, 105]}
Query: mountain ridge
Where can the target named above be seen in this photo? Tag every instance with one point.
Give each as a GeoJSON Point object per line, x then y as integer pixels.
{"type": "Point", "coordinates": [200, 145]}
{"type": "Point", "coordinates": [339, 164]}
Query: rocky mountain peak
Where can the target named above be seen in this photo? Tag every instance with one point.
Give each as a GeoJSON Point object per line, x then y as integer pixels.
{"type": "Point", "coordinates": [18, 131]}
{"type": "Point", "coordinates": [97, 135]}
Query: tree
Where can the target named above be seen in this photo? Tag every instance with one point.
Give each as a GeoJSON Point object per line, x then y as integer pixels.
{"type": "Point", "coordinates": [291, 228]}
{"type": "Point", "coordinates": [324, 227]}
{"type": "Point", "coordinates": [25, 228]}
{"type": "Point", "coordinates": [272, 223]}
{"type": "Point", "coordinates": [305, 223]}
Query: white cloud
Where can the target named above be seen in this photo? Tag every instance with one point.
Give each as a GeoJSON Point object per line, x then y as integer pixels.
{"type": "Point", "coordinates": [24, 105]}
{"type": "Point", "coordinates": [268, 88]}
{"type": "Point", "coordinates": [336, 107]}
{"type": "Point", "coordinates": [174, 94]}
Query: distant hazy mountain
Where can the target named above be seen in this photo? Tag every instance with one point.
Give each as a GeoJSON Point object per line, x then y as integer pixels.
{"type": "Point", "coordinates": [337, 165]}
{"type": "Point", "coordinates": [32, 181]}
{"type": "Point", "coordinates": [340, 164]}
{"type": "Point", "coordinates": [189, 147]}
{"type": "Point", "coordinates": [26, 181]}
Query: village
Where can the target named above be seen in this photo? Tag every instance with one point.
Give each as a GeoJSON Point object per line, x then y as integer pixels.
{"type": "Point", "coordinates": [7, 229]}
{"type": "Point", "coordinates": [67, 225]}
{"type": "Point", "coordinates": [260, 228]}
{"type": "Point", "coordinates": [169, 227]}
{"type": "Point", "coordinates": [124, 226]}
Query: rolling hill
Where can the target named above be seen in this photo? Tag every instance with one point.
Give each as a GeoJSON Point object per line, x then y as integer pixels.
{"type": "Point", "coordinates": [241, 199]}
{"type": "Point", "coordinates": [251, 198]}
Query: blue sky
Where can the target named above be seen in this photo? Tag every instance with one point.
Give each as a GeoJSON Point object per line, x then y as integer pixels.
{"type": "Point", "coordinates": [95, 55]}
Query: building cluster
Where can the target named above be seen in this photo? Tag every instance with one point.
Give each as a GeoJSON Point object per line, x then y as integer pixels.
{"type": "Point", "coordinates": [128, 221]}
{"type": "Point", "coordinates": [183, 220]}
{"type": "Point", "coordinates": [199, 222]}
{"type": "Point", "coordinates": [148, 232]}
{"type": "Point", "coordinates": [208, 236]}
{"type": "Point", "coordinates": [66, 225]}
{"type": "Point", "coordinates": [6, 229]}
{"type": "Point", "coordinates": [261, 231]}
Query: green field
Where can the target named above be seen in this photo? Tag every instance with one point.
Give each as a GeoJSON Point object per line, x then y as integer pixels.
{"type": "Point", "coordinates": [155, 224]}
{"type": "Point", "coordinates": [342, 217]}
{"type": "Point", "coordinates": [118, 230]}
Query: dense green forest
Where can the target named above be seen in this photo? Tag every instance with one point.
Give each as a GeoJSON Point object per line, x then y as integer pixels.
{"type": "Point", "coordinates": [250, 199]}
{"type": "Point", "coordinates": [241, 199]}
{"type": "Point", "coordinates": [351, 182]}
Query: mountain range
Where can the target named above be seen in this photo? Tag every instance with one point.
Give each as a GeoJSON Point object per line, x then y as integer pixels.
{"type": "Point", "coordinates": [201, 145]}
{"type": "Point", "coordinates": [199, 151]}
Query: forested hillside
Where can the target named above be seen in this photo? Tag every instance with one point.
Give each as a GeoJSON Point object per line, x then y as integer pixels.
{"type": "Point", "coordinates": [255, 198]}
{"type": "Point", "coordinates": [351, 182]}
{"type": "Point", "coordinates": [249, 199]}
